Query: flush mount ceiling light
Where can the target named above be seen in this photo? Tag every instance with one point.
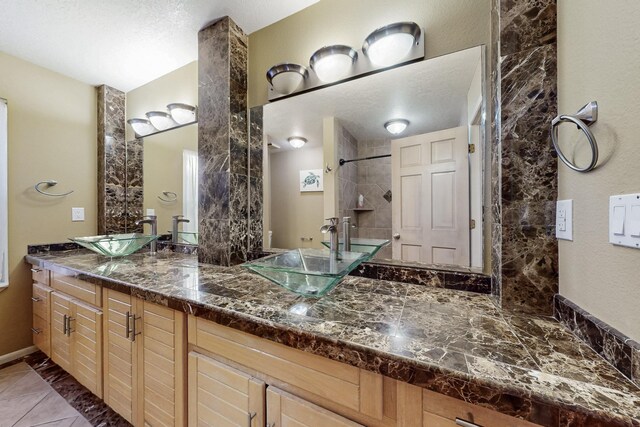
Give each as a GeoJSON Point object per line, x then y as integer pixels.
{"type": "Point", "coordinates": [286, 78]}
{"type": "Point", "coordinates": [297, 141]}
{"type": "Point", "coordinates": [160, 120]}
{"type": "Point", "coordinates": [182, 113]}
{"type": "Point", "coordinates": [390, 44]}
{"type": "Point", "coordinates": [332, 63]}
{"type": "Point", "coordinates": [396, 126]}
{"type": "Point", "coordinates": [141, 127]}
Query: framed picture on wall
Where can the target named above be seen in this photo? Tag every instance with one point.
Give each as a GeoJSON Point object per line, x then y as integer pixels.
{"type": "Point", "coordinates": [311, 180]}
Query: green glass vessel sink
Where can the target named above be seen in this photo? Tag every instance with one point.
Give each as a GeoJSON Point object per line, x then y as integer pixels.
{"type": "Point", "coordinates": [115, 245]}
{"type": "Point", "coordinates": [187, 237]}
{"type": "Point", "coordinates": [367, 246]}
{"type": "Point", "coordinates": [308, 272]}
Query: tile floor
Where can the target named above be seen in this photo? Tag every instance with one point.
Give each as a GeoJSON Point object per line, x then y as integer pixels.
{"type": "Point", "coordinates": [28, 400]}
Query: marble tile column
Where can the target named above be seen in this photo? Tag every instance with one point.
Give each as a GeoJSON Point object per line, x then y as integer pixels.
{"type": "Point", "coordinates": [111, 161]}
{"type": "Point", "coordinates": [223, 144]}
{"type": "Point", "coordinates": [524, 166]}
{"type": "Point", "coordinates": [256, 193]}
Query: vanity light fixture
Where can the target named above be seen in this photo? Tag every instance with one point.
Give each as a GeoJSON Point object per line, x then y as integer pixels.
{"type": "Point", "coordinates": [389, 44]}
{"type": "Point", "coordinates": [297, 141]}
{"type": "Point", "coordinates": [396, 126]}
{"type": "Point", "coordinates": [286, 78]}
{"type": "Point", "coordinates": [332, 63]}
{"type": "Point", "coordinates": [160, 120]}
{"type": "Point", "coordinates": [141, 127]}
{"type": "Point", "coordinates": [182, 113]}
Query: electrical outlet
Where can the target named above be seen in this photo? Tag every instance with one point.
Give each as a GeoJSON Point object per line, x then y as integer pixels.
{"type": "Point", "coordinates": [77, 214]}
{"type": "Point", "coordinates": [564, 219]}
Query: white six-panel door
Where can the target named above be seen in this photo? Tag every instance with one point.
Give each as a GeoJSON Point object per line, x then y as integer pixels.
{"type": "Point", "coordinates": [430, 181]}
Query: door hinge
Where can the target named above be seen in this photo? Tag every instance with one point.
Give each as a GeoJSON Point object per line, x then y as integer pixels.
{"type": "Point", "coordinates": [472, 224]}
{"type": "Point", "coordinates": [472, 148]}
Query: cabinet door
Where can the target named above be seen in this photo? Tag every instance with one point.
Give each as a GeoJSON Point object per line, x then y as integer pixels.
{"type": "Point", "coordinates": [41, 317]}
{"type": "Point", "coordinates": [86, 332]}
{"type": "Point", "coordinates": [119, 354]}
{"type": "Point", "coordinates": [161, 365]}
{"type": "Point", "coordinates": [222, 396]}
{"type": "Point", "coordinates": [61, 307]}
{"type": "Point", "coordinates": [41, 334]}
{"type": "Point", "coordinates": [286, 410]}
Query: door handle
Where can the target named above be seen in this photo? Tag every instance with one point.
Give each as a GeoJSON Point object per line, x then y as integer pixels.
{"type": "Point", "coordinates": [69, 319]}
{"type": "Point", "coordinates": [396, 236]}
{"type": "Point", "coordinates": [36, 331]}
{"type": "Point", "coordinates": [36, 299]}
{"type": "Point", "coordinates": [127, 325]}
{"type": "Point", "coordinates": [64, 324]}
{"type": "Point", "coordinates": [251, 416]}
{"type": "Point", "coordinates": [36, 270]}
{"type": "Point", "coordinates": [132, 332]}
{"type": "Point", "coordinates": [463, 423]}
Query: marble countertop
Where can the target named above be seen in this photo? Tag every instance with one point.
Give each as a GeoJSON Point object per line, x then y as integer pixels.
{"type": "Point", "coordinates": [452, 342]}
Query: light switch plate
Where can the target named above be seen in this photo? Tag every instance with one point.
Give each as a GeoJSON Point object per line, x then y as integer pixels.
{"type": "Point", "coordinates": [77, 214]}
{"type": "Point", "coordinates": [564, 219]}
{"type": "Point", "coordinates": [624, 220]}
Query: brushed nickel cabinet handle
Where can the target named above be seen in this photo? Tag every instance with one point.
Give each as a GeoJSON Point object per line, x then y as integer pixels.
{"type": "Point", "coordinates": [69, 319]}
{"type": "Point", "coordinates": [36, 299]}
{"type": "Point", "coordinates": [127, 326]}
{"type": "Point", "coordinates": [36, 331]}
{"type": "Point", "coordinates": [251, 416]}
{"type": "Point", "coordinates": [463, 423]}
{"type": "Point", "coordinates": [64, 324]}
{"type": "Point", "coordinates": [36, 270]}
{"type": "Point", "coordinates": [133, 333]}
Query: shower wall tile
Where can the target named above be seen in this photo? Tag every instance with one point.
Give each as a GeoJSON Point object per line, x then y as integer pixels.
{"type": "Point", "coordinates": [223, 144]}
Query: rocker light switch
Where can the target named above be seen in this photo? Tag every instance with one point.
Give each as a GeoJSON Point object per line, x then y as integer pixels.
{"type": "Point", "coordinates": [617, 224]}
{"type": "Point", "coordinates": [624, 220]}
{"type": "Point", "coordinates": [634, 221]}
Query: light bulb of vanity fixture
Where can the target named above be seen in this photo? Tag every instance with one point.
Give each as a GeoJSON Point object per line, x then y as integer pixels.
{"type": "Point", "coordinates": [332, 63]}
{"type": "Point", "coordinates": [396, 126]}
{"type": "Point", "coordinates": [286, 78]}
{"type": "Point", "coordinates": [297, 141]}
{"type": "Point", "coordinates": [160, 120]}
{"type": "Point", "coordinates": [388, 45]}
{"type": "Point", "coordinates": [141, 127]}
{"type": "Point", "coordinates": [182, 113]}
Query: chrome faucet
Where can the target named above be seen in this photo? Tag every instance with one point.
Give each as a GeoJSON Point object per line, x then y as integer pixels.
{"type": "Point", "coordinates": [346, 233]}
{"type": "Point", "coordinates": [332, 228]}
{"type": "Point", "coordinates": [177, 219]}
{"type": "Point", "coordinates": [153, 221]}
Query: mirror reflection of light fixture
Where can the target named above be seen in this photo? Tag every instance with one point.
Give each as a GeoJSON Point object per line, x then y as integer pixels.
{"type": "Point", "coordinates": [331, 63]}
{"type": "Point", "coordinates": [141, 127]}
{"type": "Point", "coordinates": [297, 141]}
{"type": "Point", "coordinates": [390, 44]}
{"type": "Point", "coordinates": [286, 78]}
{"type": "Point", "coordinates": [182, 113]}
{"type": "Point", "coordinates": [160, 120]}
{"type": "Point", "coordinates": [396, 126]}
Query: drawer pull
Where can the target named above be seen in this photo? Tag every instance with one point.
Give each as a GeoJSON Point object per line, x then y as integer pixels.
{"type": "Point", "coordinates": [35, 270]}
{"type": "Point", "coordinates": [64, 324]}
{"type": "Point", "coordinates": [36, 299]}
{"type": "Point", "coordinates": [251, 416]}
{"type": "Point", "coordinates": [36, 331]}
{"type": "Point", "coordinates": [127, 326]}
{"type": "Point", "coordinates": [69, 319]}
{"type": "Point", "coordinates": [463, 423]}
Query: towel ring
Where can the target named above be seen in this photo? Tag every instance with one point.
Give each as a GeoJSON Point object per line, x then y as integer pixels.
{"type": "Point", "coordinates": [50, 183]}
{"type": "Point", "coordinates": [172, 197]}
{"type": "Point", "coordinates": [584, 118]}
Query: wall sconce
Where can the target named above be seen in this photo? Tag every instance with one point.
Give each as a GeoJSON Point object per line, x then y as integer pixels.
{"type": "Point", "coordinates": [142, 127]}
{"type": "Point", "coordinates": [286, 78]}
{"type": "Point", "coordinates": [297, 141]}
{"type": "Point", "coordinates": [396, 126]}
{"type": "Point", "coordinates": [388, 45]}
{"type": "Point", "coordinates": [182, 113]}
{"type": "Point", "coordinates": [332, 63]}
{"type": "Point", "coordinates": [160, 120]}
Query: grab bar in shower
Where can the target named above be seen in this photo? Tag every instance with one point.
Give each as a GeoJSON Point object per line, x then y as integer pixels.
{"type": "Point", "coordinates": [584, 118]}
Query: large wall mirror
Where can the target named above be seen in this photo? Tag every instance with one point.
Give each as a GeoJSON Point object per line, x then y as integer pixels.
{"type": "Point", "coordinates": [422, 188]}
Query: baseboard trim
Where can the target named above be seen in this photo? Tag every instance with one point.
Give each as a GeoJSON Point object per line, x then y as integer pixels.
{"type": "Point", "coordinates": [10, 357]}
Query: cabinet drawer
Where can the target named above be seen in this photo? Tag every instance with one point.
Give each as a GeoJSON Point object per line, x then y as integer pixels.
{"type": "Point", "coordinates": [333, 381]}
{"type": "Point", "coordinates": [442, 411]}
{"type": "Point", "coordinates": [84, 291]}
{"type": "Point", "coordinates": [41, 334]}
{"type": "Point", "coordinates": [41, 300]}
{"type": "Point", "coordinates": [40, 275]}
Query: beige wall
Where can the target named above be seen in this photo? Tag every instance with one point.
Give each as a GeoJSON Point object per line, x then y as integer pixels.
{"type": "Point", "coordinates": [599, 59]}
{"type": "Point", "coordinates": [450, 25]}
{"type": "Point", "coordinates": [52, 135]}
{"type": "Point", "coordinates": [163, 152]}
{"type": "Point", "coordinates": [295, 214]}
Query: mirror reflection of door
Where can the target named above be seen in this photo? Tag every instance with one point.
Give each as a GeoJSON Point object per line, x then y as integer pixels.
{"type": "Point", "coordinates": [432, 194]}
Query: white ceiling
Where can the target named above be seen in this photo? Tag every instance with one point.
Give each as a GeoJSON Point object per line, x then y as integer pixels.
{"type": "Point", "coordinates": [123, 43]}
{"type": "Point", "coordinates": [431, 94]}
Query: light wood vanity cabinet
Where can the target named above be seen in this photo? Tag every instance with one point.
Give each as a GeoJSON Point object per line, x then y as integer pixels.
{"type": "Point", "coordinates": [144, 365]}
{"type": "Point", "coordinates": [41, 304]}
